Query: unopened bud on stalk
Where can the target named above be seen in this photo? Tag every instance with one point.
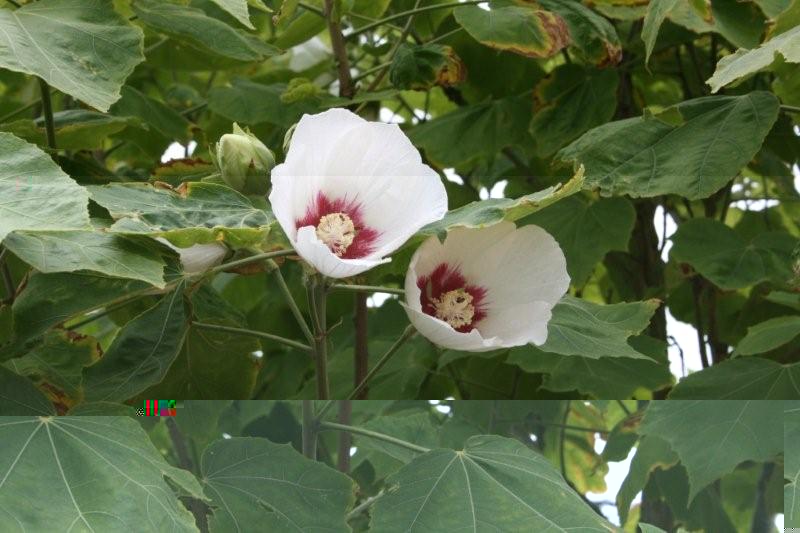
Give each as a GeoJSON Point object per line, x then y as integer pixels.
{"type": "Point", "coordinates": [244, 161]}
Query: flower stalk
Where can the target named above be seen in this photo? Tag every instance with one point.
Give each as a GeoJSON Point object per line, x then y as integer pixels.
{"type": "Point", "coordinates": [317, 296]}
{"type": "Point", "coordinates": [298, 315]}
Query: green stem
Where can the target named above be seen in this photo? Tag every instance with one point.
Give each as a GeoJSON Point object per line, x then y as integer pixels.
{"type": "Point", "coordinates": [407, 334]}
{"type": "Point", "coordinates": [318, 303]}
{"type": "Point", "coordinates": [247, 260]}
{"type": "Point", "coordinates": [252, 333]}
{"type": "Point", "coordinates": [373, 435]}
{"type": "Point", "coordinates": [790, 108]}
{"type": "Point", "coordinates": [310, 429]}
{"type": "Point", "coordinates": [444, 36]}
{"type": "Point", "coordinates": [366, 288]}
{"type": "Point", "coordinates": [47, 107]}
{"type": "Point", "coordinates": [410, 12]}
{"type": "Point", "coordinates": [301, 321]}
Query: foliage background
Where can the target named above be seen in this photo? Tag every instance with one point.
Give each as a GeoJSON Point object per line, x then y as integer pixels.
{"type": "Point", "coordinates": [490, 98]}
{"type": "Point", "coordinates": [711, 466]}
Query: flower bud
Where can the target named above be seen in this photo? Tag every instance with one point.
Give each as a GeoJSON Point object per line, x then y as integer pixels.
{"type": "Point", "coordinates": [244, 161]}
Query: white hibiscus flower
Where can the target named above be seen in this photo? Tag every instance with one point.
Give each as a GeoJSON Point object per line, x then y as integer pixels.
{"type": "Point", "coordinates": [351, 192]}
{"type": "Point", "coordinates": [487, 288]}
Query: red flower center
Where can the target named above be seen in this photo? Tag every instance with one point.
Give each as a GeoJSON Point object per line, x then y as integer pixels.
{"type": "Point", "coordinates": [340, 225]}
{"type": "Point", "coordinates": [446, 295]}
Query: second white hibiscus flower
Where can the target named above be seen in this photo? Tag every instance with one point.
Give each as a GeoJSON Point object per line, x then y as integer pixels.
{"type": "Point", "coordinates": [351, 192]}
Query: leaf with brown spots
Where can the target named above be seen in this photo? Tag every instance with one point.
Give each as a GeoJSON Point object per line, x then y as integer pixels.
{"type": "Point", "coordinates": [521, 29]}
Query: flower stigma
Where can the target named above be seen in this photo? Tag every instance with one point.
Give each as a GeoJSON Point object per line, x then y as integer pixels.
{"type": "Point", "coordinates": [455, 307]}
{"type": "Point", "coordinates": [337, 231]}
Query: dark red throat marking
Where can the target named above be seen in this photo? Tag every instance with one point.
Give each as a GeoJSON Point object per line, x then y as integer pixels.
{"type": "Point", "coordinates": [365, 238]}
{"type": "Point", "coordinates": [443, 279]}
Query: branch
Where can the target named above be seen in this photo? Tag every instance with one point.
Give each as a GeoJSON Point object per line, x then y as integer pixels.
{"type": "Point", "coordinates": [346, 88]}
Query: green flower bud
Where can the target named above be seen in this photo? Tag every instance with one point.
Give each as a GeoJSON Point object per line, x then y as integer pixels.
{"type": "Point", "coordinates": [244, 161]}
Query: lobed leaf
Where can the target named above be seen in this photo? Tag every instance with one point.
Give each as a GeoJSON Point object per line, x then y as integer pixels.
{"type": "Point", "coordinates": [92, 473]}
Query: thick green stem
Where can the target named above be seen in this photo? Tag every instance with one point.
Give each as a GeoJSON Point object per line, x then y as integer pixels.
{"type": "Point", "coordinates": [407, 334]}
{"type": "Point", "coordinates": [373, 434]}
{"type": "Point", "coordinates": [252, 333]}
{"type": "Point", "coordinates": [410, 12]}
{"type": "Point", "coordinates": [317, 292]}
{"type": "Point", "coordinates": [366, 288]}
{"type": "Point", "coordinates": [310, 429]}
{"type": "Point", "coordinates": [47, 108]}
{"type": "Point", "coordinates": [298, 315]}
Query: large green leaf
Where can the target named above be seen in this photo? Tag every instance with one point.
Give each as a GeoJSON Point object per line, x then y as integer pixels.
{"type": "Point", "coordinates": [141, 353]}
{"type": "Point", "coordinates": [587, 231]}
{"type": "Point", "coordinates": [257, 483]}
{"type": "Point", "coordinates": [234, 102]}
{"type": "Point", "coordinates": [50, 299]}
{"type": "Point", "coordinates": [657, 11]}
{"type": "Point", "coordinates": [791, 463]}
{"type": "Point", "coordinates": [712, 437]}
{"type": "Point", "coordinates": [92, 473]}
{"type": "Point", "coordinates": [474, 131]}
{"type": "Point", "coordinates": [522, 29]}
{"type": "Point", "coordinates": [75, 129]}
{"type": "Point", "coordinates": [571, 100]}
{"type": "Point", "coordinates": [201, 213]}
{"type": "Point", "coordinates": [648, 156]}
{"type": "Point", "coordinates": [56, 366]}
{"type": "Point", "coordinates": [36, 193]}
{"type": "Point", "coordinates": [769, 335]}
{"type": "Point", "coordinates": [80, 47]}
{"type": "Point", "coordinates": [195, 28]}
{"type": "Point", "coordinates": [651, 453]}
{"type": "Point", "coordinates": [748, 378]}
{"type": "Point", "coordinates": [743, 63]}
{"type": "Point", "coordinates": [68, 251]}
{"type": "Point", "coordinates": [494, 484]}
{"type": "Point", "coordinates": [19, 396]}
{"type": "Point", "coordinates": [489, 212]}
{"type": "Point", "coordinates": [729, 260]}
{"type": "Point", "coordinates": [601, 378]}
